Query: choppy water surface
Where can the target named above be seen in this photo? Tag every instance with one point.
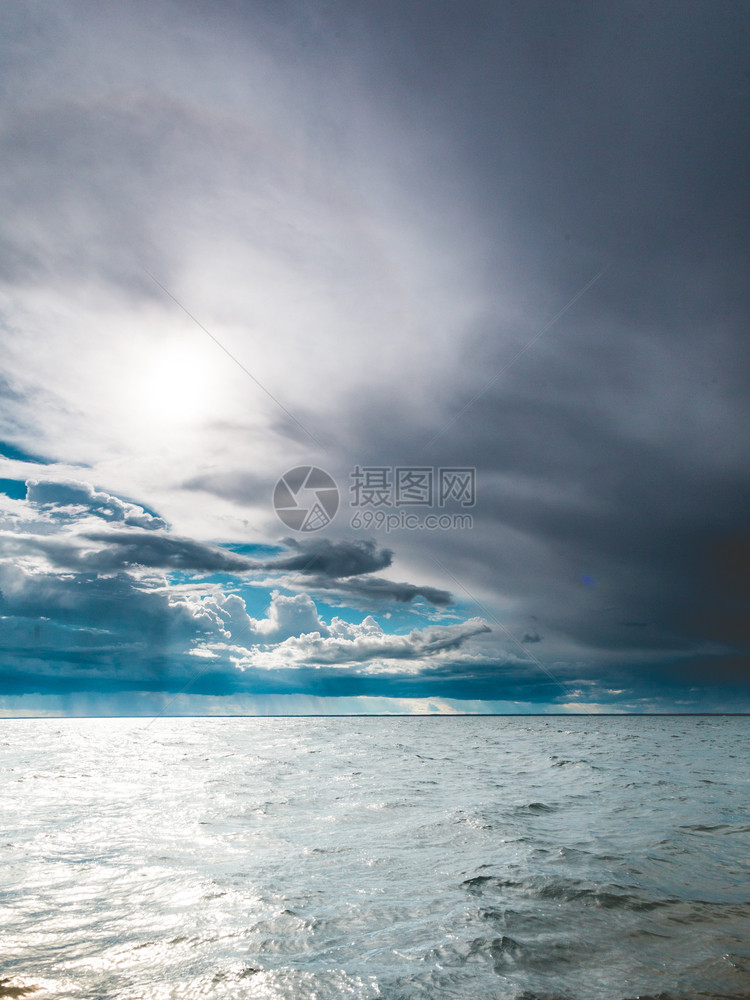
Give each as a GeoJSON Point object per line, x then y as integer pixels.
{"type": "Point", "coordinates": [396, 858]}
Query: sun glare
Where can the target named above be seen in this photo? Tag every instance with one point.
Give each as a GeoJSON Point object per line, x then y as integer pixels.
{"type": "Point", "coordinates": [178, 385]}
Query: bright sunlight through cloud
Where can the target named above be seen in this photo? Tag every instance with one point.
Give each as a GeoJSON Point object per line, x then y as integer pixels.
{"type": "Point", "coordinates": [178, 384]}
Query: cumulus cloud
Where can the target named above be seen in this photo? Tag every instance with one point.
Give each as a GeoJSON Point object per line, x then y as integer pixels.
{"type": "Point", "coordinates": [98, 606]}
{"type": "Point", "coordinates": [288, 615]}
{"type": "Point", "coordinates": [118, 630]}
{"type": "Point", "coordinates": [70, 499]}
{"type": "Point", "coordinates": [368, 642]}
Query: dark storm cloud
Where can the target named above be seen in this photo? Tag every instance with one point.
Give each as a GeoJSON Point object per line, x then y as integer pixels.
{"type": "Point", "coordinates": [299, 681]}
{"type": "Point", "coordinates": [91, 611]}
{"type": "Point", "coordinates": [322, 681]}
{"type": "Point", "coordinates": [118, 550]}
{"type": "Point", "coordinates": [612, 458]}
{"type": "Point", "coordinates": [322, 563]}
{"type": "Point", "coordinates": [655, 520]}
{"type": "Point", "coordinates": [616, 133]}
{"type": "Point", "coordinates": [373, 589]}
{"type": "Point", "coordinates": [492, 681]}
{"type": "Point", "coordinates": [325, 565]}
{"type": "Point", "coordinates": [162, 551]}
{"type": "Point", "coordinates": [595, 518]}
{"type": "Point", "coordinates": [323, 557]}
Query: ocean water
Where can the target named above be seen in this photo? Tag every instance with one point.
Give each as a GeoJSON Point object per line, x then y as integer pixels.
{"type": "Point", "coordinates": [459, 857]}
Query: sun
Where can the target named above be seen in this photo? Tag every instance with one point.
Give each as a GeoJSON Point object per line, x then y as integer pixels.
{"type": "Point", "coordinates": [178, 384]}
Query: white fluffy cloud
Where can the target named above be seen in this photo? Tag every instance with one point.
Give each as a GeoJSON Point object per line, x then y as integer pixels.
{"type": "Point", "coordinates": [348, 645]}
{"type": "Point", "coordinates": [72, 499]}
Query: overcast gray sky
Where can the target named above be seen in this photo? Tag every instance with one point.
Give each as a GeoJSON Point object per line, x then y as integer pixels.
{"type": "Point", "coordinates": [382, 212]}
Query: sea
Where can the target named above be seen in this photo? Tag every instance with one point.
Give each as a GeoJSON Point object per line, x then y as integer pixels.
{"type": "Point", "coordinates": [482, 857]}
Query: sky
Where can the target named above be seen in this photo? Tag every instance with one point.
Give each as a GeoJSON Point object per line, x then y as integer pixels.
{"type": "Point", "coordinates": [479, 271]}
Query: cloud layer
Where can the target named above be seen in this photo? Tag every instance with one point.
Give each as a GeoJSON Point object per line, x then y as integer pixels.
{"type": "Point", "coordinates": [238, 241]}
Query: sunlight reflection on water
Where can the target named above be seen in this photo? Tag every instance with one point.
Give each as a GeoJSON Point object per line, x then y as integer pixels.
{"type": "Point", "coordinates": [389, 857]}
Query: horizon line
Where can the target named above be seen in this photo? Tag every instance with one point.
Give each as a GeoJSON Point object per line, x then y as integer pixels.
{"type": "Point", "coordinates": [398, 715]}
